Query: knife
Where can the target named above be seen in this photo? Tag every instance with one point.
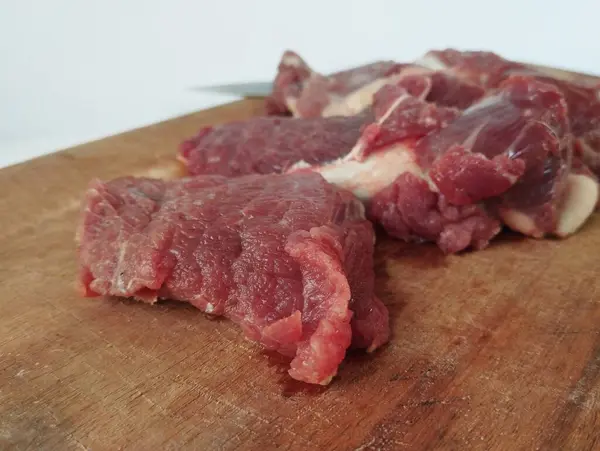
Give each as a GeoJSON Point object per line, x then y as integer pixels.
{"type": "Point", "coordinates": [249, 89]}
{"type": "Point", "coordinates": [264, 88]}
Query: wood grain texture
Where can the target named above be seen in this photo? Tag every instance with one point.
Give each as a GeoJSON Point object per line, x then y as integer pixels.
{"type": "Point", "coordinates": [494, 350]}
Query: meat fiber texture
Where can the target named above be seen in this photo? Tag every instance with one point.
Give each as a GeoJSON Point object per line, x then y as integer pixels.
{"type": "Point", "coordinates": [288, 258]}
{"type": "Point", "coordinates": [267, 145]}
{"type": "Point", "coordinates": [302, 92]}
{"type": "Point", "coordinates": [507, 159]}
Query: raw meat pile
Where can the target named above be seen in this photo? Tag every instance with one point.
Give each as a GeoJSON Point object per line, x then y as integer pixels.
{"type": "Point", "coordinates": [270, 227]}
{"type": "Point", "coordinates": [451, 148]}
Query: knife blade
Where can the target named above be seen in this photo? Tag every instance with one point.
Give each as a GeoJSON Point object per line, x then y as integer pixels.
{"type": "Point", "coordinates": [264, 88]}
{"type": "Point", "coordinates": [249, 89]}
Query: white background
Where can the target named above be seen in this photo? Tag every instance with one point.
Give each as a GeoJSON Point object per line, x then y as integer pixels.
{"type": "Point", "coordinates": [76, 70]}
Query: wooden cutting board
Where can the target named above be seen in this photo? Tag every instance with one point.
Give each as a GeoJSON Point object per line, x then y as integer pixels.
{"type": "Point", "coordinates": [494, 350]}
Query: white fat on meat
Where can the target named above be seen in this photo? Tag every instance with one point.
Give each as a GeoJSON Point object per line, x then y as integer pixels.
{"type": "Point", "coordinates": [579, 202]}
{"type": "Point", "coordinates": [350, 104]}
{"type": "Point", "coordinates": [367, 177]}
{"type": "Point", "coordinates": [431, 62]}
{"type": "Point", "coordinates": [357, 101]}
{"type": "Point", "coordinates": [293, 60]}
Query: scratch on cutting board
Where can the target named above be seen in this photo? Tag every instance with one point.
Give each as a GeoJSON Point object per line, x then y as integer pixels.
{"type": "Point", "coordinates": [470, 320]}
{"type": "Point", "coordinates": [21, 373]}
{"type": "Point", "coordinates": [366, 445]}
{"type": "Point", "coordinates": [79, 444]}
{"type": "Point", "coordinates": [321, 417]}
{"type": "Point", "coordinates": [371, 442]}
{"type": "Point", "coordinates": [253, 413]}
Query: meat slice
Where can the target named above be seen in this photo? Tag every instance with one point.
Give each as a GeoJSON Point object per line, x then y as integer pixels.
{"type": "Point", "coordinates": [489, 70]}
{"type": "Point", "coordinates": [267, 145]}
{"type": "Point", "coordinates": [506, 158]}
{"type": "Point", "coordinates": [300, 91]}
{"type": "Point", "coordinates": [288, 258]}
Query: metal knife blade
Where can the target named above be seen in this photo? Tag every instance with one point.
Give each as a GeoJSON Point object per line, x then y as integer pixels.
{"type": "Point", "coordinates": [250, 89]}
{"type": "Point", "coordinates": [264, 88]}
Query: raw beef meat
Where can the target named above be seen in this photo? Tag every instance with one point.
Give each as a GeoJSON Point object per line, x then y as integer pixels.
{"type": "Point", "coordinates": [268, 145]}
{"type": "Point", "coordinates": [451, 91]}
{"type": "Point", "coordinates": [584, 113]}
{"type": "Point", "coordinates": [328, 145]}
{"type": "Point", "coordinates": [305, 93]}
{"type": "Point", "coordinates": [431, 172]}
{"type": "Point", "coordinates": [506, 158]}
{"type": "Point", "coordinates": [288, 258]}
{"type": "Point", "coordinates": [361, 162]}
{"type": "Point", "coordinates": [485, 69]}
{"type": "Point", "coordinates": [384, 151]}
{"type": "Point", "coordinates": [386, 147]}
{"type": "Point", "coordinates": [488, 70]}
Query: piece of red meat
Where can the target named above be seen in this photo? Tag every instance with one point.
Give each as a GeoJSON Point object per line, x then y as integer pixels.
{"type": "Point", "coordinates": [288, 258]}
{"type": "Point", "coordinates": [327, 145]}
{"type": "Point", "coordinates": [485, 69]}
{"type": "Point", "coordinates": [451, 91]}
{"type": "Point", "coordinates": [305, 93]}
{"type": "Point", "coordinates": [584, 113]}
{"type": "Point", "coordinates": [506, 158]}
{"type": "Point", "coordinates": [489, 70]}
{"type": "Point", "coordinates": [384, 151]}
{"type": "Point", "coordinates": [267, 145]}
{"type": "Point", "coordinates": [300, 91]}
{"type": "Point", "coordinates": [386, 147]}
{"type": "Point", "coordinates": [411, 210]}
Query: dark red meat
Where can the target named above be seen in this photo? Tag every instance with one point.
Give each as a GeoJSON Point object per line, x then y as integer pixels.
{"type": "Point", "coordinates": [506, 158]}
{"type": "Point", "coordinates": [486, 150]}
{"type": "Point", "coordinates": [267, 145]}
{"type": "Point", "coordinates": [451, 91]}
{"type": "Point", "coordinates": [288, 258]}
{"type": "Point", "coordinates": [584, 112]}
{"type": "Point", "coordinates": [489, 70]}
